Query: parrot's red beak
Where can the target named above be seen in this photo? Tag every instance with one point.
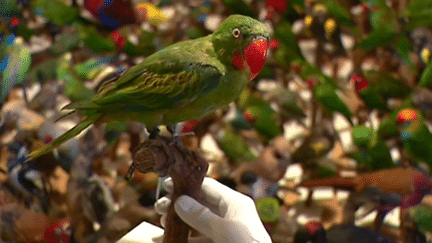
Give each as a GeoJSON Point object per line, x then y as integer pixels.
{"type": "Point", "coordinates": [255, 54]}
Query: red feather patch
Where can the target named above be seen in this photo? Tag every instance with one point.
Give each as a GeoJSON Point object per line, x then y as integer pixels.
{"type": "Point", "coordinates": [255, 55]}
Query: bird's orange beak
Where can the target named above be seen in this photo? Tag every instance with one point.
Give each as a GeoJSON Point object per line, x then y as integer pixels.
{"type": "Point", "coordinates": [255, 54]}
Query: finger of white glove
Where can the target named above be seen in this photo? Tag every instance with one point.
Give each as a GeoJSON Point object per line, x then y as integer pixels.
{"type": "Point", "coordinates": [214, 193]}
{"type": "Point", "coordinates": [168, 185]}
{"type": "Point", "coordinates": [162, 205]}
{"type": "Point", "coordinates": [163, 220]}
{"type": "Point", "coordinates": [196, 215]}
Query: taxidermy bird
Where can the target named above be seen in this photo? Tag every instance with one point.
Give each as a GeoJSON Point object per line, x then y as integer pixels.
{"type": "Point", "coordinates": [184, 81]}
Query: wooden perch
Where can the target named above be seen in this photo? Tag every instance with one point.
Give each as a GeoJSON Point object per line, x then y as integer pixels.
{"type": "Point", "coordinates": [187, 170]}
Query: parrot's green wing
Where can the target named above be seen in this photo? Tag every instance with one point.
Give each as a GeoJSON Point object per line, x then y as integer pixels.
{"type": "Point", "coordinates": [170, 78]}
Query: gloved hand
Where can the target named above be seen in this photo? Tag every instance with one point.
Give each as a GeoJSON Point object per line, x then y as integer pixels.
{"type": "Point", "coordinates": [224, 215]}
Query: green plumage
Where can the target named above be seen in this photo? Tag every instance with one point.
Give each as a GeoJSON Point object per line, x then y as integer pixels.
{"type": "Point", "coordinates": [264, 120]}
{"type": "Point", "coordinates": [327, 96]}
{"type": "Point", "coordinates": [18, 64]}
{"type": "Point", "coordinates": [373, 152]}
{"type": "Point", "coordinates": [74, 87]}
{"type": "Point", "coordinates": [372, 99]}
{"type": "Point", "coordinates": [233, 145]}
{"type": "Point", "coordinates": [184, 81]}
{"type": "Point", "coordinates": [417, 139]}
{"type": "Point", "coordinates": [386, 85]}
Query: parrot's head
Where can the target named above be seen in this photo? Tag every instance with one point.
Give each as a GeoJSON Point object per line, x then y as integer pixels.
{"type": "Point", "coordinates": [58, 231]}
{"type": "Point", "coordinates": [251, 115]}
{"type": "Point", "coordinates": [313, 227]}
{"type": "Point", "coordinates": [360, 83]}
{"type": "Point", "coordinates": [243, 42]}
{"type": "Point", "coordinates": [408, 121]}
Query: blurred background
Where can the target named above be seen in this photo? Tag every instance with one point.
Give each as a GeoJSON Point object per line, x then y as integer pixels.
{"type": "Point", "coordinates": [331, 140]}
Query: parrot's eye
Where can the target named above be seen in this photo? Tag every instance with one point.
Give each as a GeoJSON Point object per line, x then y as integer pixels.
{"type": "Point", "coordinates": [236, 33]}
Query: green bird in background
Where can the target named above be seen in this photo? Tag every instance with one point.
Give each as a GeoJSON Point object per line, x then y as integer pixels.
{"type": "Point", "coordinates": [74, 87]}
{"type": "Point", "coordinates": [264, 120]}
{"type": "Point", "coordinates": [373, 153]}
{"type": "Point", "coordinates": [415, 135]}
{"type": "Point", "coordinates": [184, 81]}
{"type": "Point", "coordinates": [326, 95]}
{"type": "Point", "coordinates": [375, 87]}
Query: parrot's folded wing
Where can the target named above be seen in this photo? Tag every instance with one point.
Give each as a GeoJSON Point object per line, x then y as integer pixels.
{"type": "Point", "coordinates": [158, 90]}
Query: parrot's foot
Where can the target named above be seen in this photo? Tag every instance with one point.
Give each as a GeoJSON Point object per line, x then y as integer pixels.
{"type": "Point", "coordinates": [154, 132]}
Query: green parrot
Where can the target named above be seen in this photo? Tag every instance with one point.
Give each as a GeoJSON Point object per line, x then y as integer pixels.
{"type": "Point", "coordinates": [375, 87]}
{"type": "Point", "coordinates": [420, 98]}
{"type": "Point", "coordinates": [248, 98]}
{"type": "Point", "coordinates": [415, 135]}
{"type": "Point", "coordinates": [18, 62]}
{"type": "Point", "coordinates": [64, 42]}
{"type": "Point", "coordinates": [264, 120]}
{"type": "Point", "coordinates": [373, 152]}
{"type": "Point", "coordinates": [325, 93]}
{"type": "Point", "coordinates": [238, 121]}
{"type": "Point", "coordinates": [94, 40]}
{"type": "Point", "coordinates": [184, 81]}
{"type": "Point", "coordinates": [422, 216]}
{"type": "Point", "coordinates": [74, 88]}
{"type": "Point", "coordinates": [93, 66]}
{"type": "Point", "coordinates": [288, 103]}
{"type": "Point", "coordinates": [233, 145]}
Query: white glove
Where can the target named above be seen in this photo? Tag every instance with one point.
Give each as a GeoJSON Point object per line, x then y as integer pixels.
{"type": "Point", "coordinates": [224, 215]}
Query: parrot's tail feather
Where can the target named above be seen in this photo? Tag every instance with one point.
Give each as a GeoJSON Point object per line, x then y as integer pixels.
{"type": "Point", "coordinates": [64, 137]}
{"type": "Point", "coordinates": [81, 106]}
{"type": "Point", "coordinates": [65, 115]}
{"type": "Point", "coordinates": [332, 181]}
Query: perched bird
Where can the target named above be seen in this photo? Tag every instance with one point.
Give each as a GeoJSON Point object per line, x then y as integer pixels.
{"type": "Point", "coordinates": [373, 152]}
{"type": "Point", "coordinates": [112, 13]}
{"type": "Point", "coordinates": [88, 194]}
{"type": "Point", "coordinates": [314, 232]}
{"type": "Point", "coordinates": [233, 145]}
{"type": "Point", "coordinates": [415, 135]}
{"type": "Point", "coordinates": [326, 95]}
{"type": "Point", "coordinates": [269, 211]}
{"type": "Point", "coordinates": [249, 98]}
{"type": "Point", "coordinates": [410, 184]}
{"type": "Point", "coordinates": [17, 63]}
{"type": "Point", "coordinates": [264, 120]}
{"type": "Point", "coordinates": [184, 81]}
{"type": "Point", "coordinates": [289, 104]}
{"type": "Point", "coordinates": [74, 87]}
{"type": "Point", "coordinates": [375, 87]}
